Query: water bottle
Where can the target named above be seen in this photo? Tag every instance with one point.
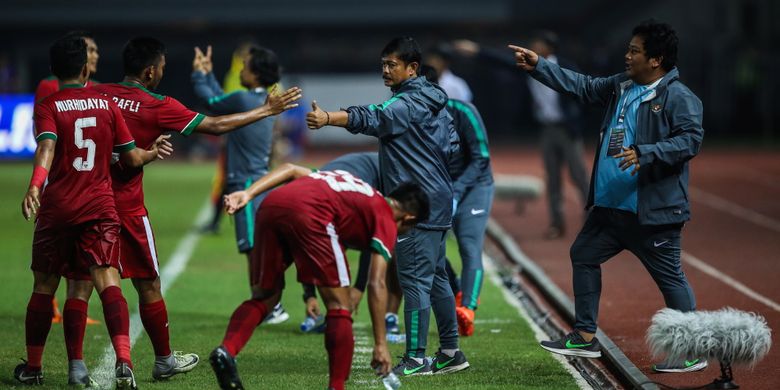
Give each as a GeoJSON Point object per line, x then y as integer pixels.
{"type": "Point", "coordinates": [308, 324]}
{"type": "Point", "coordinates": [391, 381]}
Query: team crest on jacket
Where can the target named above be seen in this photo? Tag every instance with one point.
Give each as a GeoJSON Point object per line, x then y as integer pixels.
{"type": "Point", "coordinates": [656, 107]}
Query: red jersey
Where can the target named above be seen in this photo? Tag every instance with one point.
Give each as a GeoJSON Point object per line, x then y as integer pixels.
{"type": "Point", "coordinates": [50, 85]}
{"type": "Point", "coordinates": [88, 127]}
{"type": "Point", "coordinates": [147, 115]}
{"type": "Point", "coordinates": [360, 215]}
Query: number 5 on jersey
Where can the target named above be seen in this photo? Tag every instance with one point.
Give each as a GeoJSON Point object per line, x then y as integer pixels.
{"type": "Point", "coordinates": [79, 163]}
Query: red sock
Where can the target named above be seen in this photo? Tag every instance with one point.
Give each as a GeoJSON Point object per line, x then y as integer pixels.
{"type": "Point", "coordinates": [340, 345]}
{"type": "Point", "coordinates": [154, 316]}
{"type": "Point", "coordinates": [118, 322]}
{"type": "Point", "coordinates": [37, 326]}
{"type": "Point", "coordinates": [74, 320]}
{"type": "Point", "coordinates": [242, 324]}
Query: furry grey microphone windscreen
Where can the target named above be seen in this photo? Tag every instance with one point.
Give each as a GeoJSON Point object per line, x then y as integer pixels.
{"type": "Point", "coordinates": [728, 335]}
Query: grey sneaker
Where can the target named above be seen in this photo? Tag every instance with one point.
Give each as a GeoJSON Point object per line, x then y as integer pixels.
{"type": "Point", "coordinates": [277, 316]}
{"type": "Point", "coordinates": [125, 379]}
{"type": "Point", "coordinates": [683, 366]}
{"type": "Point", "coordinates": [176, 363]}
{"type": "Point", "coordinates": [443, 364]}
{"type": "Point", "coordinates": [409, 367]}
{"type": "Point", "coordinates": [573, 345]}
{"type": "Point", "coordinates": [78, 375]}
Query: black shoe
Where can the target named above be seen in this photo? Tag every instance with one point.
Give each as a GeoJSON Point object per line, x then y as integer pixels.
{"type": "Point", "coordinates": [409, 367]}
{"type": "Point", "coordinates": [443, 364]}
{"type": "Point", "coordinates": [573, 345]}
{"type": "Point", "coordinates": [125, 380]}
{"type": "Point", "coordinates": [224, 366]}
{"type": "Point", "coordinates": [28, 377]}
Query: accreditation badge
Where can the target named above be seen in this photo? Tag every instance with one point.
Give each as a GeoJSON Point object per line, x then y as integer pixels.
{"type": "Point", "coordinates": [616, 136]}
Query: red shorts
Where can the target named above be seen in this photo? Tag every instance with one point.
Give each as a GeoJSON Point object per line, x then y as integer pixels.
{"type": "Point", "coordinates": [139, 253]}
{"type": "Point", "coordinates": [72, 250]}
{"type": "Point", "coordinates": [283, 236]}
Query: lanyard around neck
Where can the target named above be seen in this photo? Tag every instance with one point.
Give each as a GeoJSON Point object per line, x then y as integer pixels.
{"type": "Point", "coordinates": [626, 103]}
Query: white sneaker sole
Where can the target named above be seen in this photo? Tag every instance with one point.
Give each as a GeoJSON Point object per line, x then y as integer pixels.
{"type": "Point", "coordinates": [573, 352]}
{"type": "Point", "coordinates": [696, 367]}
{"type": "Point", "coordinates": [278, 319]}
{"type": "Point", "coordinates": [451, 369]}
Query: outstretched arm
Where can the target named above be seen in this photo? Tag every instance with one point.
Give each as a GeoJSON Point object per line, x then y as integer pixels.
{"type": "Point", "coordinates": [318, 118]}
{"type": "Point", "coordinates": [280, 175]}
{"type": "Point", "coordinates": [587, 89]}
{"type": "Point", "coordinates": [275, 104]}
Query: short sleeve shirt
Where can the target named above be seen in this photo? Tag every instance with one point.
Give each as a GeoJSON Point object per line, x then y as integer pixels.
{"type": "Point", "coordinates": [87, 128]}
{"type": "Point", "coordinates": [148, 115]}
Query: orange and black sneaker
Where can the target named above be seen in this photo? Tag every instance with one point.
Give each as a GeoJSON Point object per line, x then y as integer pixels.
{"type": "Point", "coordinates": [465, 320]}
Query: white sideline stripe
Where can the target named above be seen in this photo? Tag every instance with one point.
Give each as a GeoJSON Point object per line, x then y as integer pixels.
{"type": "Point", "coordinates": [728, 280]}
{"type": "Point", "coordinates": [104, 374]}
{"type": "Point", "coordinates": [734, 209]}
{"type": "Point", "coordinates": [538, 332]}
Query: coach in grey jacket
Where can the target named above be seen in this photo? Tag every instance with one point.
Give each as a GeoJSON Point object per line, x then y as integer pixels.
{"type": "Point", "coordinates": [639, 187]}
{"type": "Point", "coordinates": [416, 140]}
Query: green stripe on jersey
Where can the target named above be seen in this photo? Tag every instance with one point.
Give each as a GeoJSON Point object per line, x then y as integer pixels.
{"type": "Point", "coordinates": [124, 147]}
{"type": "Point", "coordinates": [46, 135]}
{"type": "Point", "coordinates": [193, 124]}
{"type": "Point", "coordinates": [249, 209]}
{"type": "Point", "coordinates": [385, 104]}
{"type": "Point", "coordinates": [380, 248]}
{"type": "Point", "coordinates": [415, 339]}
{"type": "Point", "coordinates": [217, 99]}
{"type": "Point", "coordinates": [478, 129]}
{"type": "Point", "coordinates": [141, 87]}
{"type": "Point", "coordinates": [475, 290]}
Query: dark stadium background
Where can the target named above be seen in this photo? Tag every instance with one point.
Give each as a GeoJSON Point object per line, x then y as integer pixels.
{"type": "Point", "coordinates": [728, 53]}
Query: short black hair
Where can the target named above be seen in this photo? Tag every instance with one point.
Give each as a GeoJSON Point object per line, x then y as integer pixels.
{"type": "Point", "coordinates": [140, 53]}
{"type": "Point", "coordinates": [67, 57]}
{"type": "Point", "coordinates": [265, 65]}
{"type": "Point", "coordinates": [80, 34]}
{"type": "Point", "coordinates": [405, 48]}
{"type": "Point", "coordinates": [660, 41]}
{"type": "Point", "coordinates": [429, 72]}
{"type": "Point", "coordinates": [412, 200]}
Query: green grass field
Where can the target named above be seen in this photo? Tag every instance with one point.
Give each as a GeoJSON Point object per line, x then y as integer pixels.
{"type": "Point", "coordinates": [503, 353]}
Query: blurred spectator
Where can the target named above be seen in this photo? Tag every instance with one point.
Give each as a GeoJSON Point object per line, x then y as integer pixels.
{"type": "Point", "coordinates": [559, 119]}
{"type": "Point", "coordinates": [439, 59]}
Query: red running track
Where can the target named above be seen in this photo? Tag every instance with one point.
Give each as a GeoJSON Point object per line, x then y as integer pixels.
{"type": "Point", "coordinates": [735, 228]}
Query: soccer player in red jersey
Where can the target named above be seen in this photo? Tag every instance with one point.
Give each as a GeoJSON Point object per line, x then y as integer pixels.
{"type": "Point", "coordinates": [148, 115]}
{"type": "Point", "coordinates": [51, 84]}
{"type": "Point", "coordinates": [310, 222]}
{"type": "Point", "coordinates": [77, 226]}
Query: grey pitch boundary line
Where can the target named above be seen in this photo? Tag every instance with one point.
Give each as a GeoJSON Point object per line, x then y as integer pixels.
{"type": "Point", "coordinates": [539, 334]}
{"type": "Point", "coordinates": [104, 374]}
